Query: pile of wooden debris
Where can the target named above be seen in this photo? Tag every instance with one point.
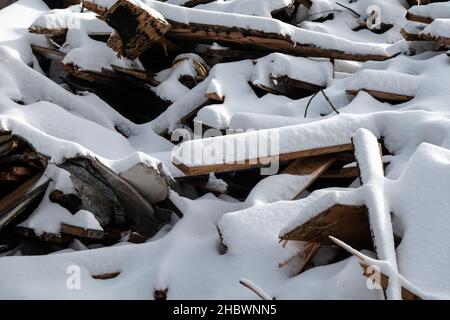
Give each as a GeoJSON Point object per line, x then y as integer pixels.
{"type": "Point", "coordinates": [150, 55]}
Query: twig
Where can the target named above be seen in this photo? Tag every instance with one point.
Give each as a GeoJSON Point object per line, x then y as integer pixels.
{"type": "Point", "coordinates": [326, 97]}
{"type": "Point", "coordinates": [257, 290]}
{"type": "Point", "coordinates": [309, 102]}
{"type": "Point", "coordinates": [350, 9]}
{"type": "Point", "coordinates": [329, 101]}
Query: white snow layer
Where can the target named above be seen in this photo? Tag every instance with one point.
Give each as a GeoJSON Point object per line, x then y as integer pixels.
{"type": "Point", "coordinates": [185, 256]}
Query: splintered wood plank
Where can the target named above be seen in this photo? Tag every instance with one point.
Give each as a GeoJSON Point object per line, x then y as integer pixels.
{"type": "Point", "coordinates": [82, 232]}
{"type": "Point", "coordinates": [11, 209]}
{"type": "Point", "coordinates": [256, 163]}
{"type": "Point", "coordinates": [48, 31]}
{"type": "Point", "coordinates": [311, 167]}
{"type": "Point", "coordinates": [383, 96]}
{"type": "Point", "coordinates": [136, 28]}
{"type": "Point", "coordinates": [384, 282]}
{"type": "Point", "coordinates": [49, 53]}
{"type": "Point", "coordinates": [295, 83]}
{"type": "Point", "coordinates": [417, 18]}
{"type": "Point", "coordinates": [202, 33]}
{"type": "Point", "coordinates": [415, 35]}
{"type": "Point", "coordinates": [349, 223]}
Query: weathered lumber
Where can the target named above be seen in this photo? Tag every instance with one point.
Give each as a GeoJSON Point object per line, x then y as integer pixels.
{"type": "Point", "coordinates": [342, 221]}
{"type": "Point", "coordinates": [49, 53]}
{"type": "Point", "coordinates": [136, 28]}
{"type": "Point", "coordinates": [209, 33]}
{"type": "Point", "coordinates": [258, 40]}
{"type": "Point", "coordinates": [82, 232]}
{"type": "Point", "coordinates": [311, 167]}
{"type": "Point", "coordinates": [5, 3]}
{"type": "Point", "coordinates": [255, 163]}
{"type": "Point", "coordinates": [20, 199]}
{"type": "Point", "coordinates": [383, 96]}
{"type": "Point", "coordinates": [139, 74]}
{"type": "Point", "coordinates": [59, 239]}
{"type": "Point", "coordinates": [417, 18]}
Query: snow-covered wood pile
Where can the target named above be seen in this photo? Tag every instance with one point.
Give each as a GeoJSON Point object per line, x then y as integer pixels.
{"type": "Point", "coordinates": [188, 149]}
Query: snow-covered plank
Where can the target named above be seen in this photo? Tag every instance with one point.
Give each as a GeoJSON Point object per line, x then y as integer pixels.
{"type": "Point", "coordinates": [311, 168]}
{"type": "Point", "coordinates": [383, 96]}
{"type": "Point", "coordinates": [385, 85]}
{"type": "Point", "coordinates": [430, 12]}
{"type": "Point", "coordinates": [249, 163]}
{"type": "Point", "coordinates": [260, 33]}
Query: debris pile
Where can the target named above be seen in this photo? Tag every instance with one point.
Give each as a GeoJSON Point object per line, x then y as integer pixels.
{"type": "Point", "coordinates": [302, 145]}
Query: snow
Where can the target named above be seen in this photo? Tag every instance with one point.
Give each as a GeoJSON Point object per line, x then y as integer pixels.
{"type": "Point", "coordinates": [72, 18]}
{"type": "Point", "coordinates": [438, 28]}
{"type": "Point", "coordinates": [409, 200]}
{"type": "Point", "coordinates": [435, 10]}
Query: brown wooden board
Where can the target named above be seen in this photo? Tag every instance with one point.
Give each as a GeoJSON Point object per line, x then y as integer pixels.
{"type": "Point", "coordinates": [255, 163]}
{"type": "Point", "coordinates": [349, 223]}
{"type": "Point", "coordinates": [383, 96]}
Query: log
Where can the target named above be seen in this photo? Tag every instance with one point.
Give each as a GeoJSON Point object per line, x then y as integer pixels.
{"type": "Point", "coordinates": [5, 3]}
{"type": "Point", "coordinates": [312, 167]}
{"type": "Point", "coordinates": [258, 40]}
{"type": "Point", "coordinates": [82, 232]}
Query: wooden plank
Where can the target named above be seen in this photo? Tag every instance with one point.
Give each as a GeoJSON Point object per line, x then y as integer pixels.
{"type": "Point", "coordinates": [139, 74]}
{"type": "Point", "coordinates": [417, 18]}
{"type": "Point", "coordinates": [202, 33]}
{"type": "Point", "coordinates": [82, 232]}
{"type": "Point", "coordinates": [384, 282]}
{"type": "Point", "coordinates": [383, 96]}
{"type": "Point", "coordinates": [256, 163]}
{"type": "Point", "coordinates": [193, 3]}
{"type": "Point", "coordinates": [50, 53]}
{"type": "Point", "coordinates": [349, 223]}
{"type": "Point", "coordinates": [311, 167]}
